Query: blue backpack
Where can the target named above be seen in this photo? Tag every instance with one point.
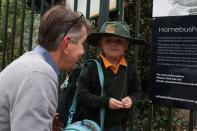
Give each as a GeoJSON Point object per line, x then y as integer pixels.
{"type": "Point", "coordinates": [86, 125]}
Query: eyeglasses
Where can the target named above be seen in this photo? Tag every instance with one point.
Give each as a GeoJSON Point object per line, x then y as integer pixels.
{"type": "Point", "coordinates": [74, 22]}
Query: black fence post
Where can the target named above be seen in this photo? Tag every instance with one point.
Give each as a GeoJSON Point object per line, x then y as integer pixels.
{"type": "Point", "coordinates": [75, 5]}
{"type": "Point", "coordinates": [104, 12]}
{"type": "Point", "coordinates": [22, 28]}
{"type": "Point", "coordinates": [31, 25]}
{"type": "Point", "coordinates": [137, 29]}
{"type": "Point", "coordinates": [12, 41]}
{"type": "Point", "coordinates": [120, 10]}
{"type": "Point", "coordinates": [52, 2]}
{"type": "Point", "coordinates": [170, 118]}
{"type": "Point", "coordinates": [42, 8]}
{"type": "Point", "coordinates": [87, 17]}
{"type": "Point", "coordinates": [0, 8]}
{"type": "Point", "coordinates": [191, 120]}
{"type": "Point", "coordinates": [4, 38]}
{"type": "Point", "coordinates": [131, 121]}
{"type": "Point", "coordinates": [88, 9]}
{"type": "Point", "coordinates": [150, 124]}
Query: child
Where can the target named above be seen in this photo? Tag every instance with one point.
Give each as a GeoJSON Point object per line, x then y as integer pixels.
{"type": "Point", "coordinates": [121, 80]}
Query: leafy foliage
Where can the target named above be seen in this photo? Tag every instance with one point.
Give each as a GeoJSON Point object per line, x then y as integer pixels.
{"type": "Point", "coordinates": [18, 35]}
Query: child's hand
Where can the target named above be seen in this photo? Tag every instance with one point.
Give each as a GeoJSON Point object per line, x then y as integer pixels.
{"type": "Point", "coordinates": [127, 102]}
{"type": "Point", "coordinates": [115, 104]}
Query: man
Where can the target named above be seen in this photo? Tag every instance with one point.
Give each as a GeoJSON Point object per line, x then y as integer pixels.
{"type": "Point", "coordinates": [28, 86]}
{"type": "Point", "coordinates": [121, 80]}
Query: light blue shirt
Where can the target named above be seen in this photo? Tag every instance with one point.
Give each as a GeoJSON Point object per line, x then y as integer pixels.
{"type": "Point", "coordinates": [47, 57]}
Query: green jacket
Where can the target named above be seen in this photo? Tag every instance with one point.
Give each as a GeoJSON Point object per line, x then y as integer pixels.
{"type": "Point", "coordinates": [89, 98]}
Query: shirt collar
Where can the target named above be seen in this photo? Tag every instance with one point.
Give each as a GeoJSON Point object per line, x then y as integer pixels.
{"type": "Point", "coordinates": [107, 63]}
{"type": "Point", "coordinates": [47, 57]}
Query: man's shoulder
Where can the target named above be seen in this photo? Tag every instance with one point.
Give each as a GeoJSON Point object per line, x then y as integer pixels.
{"type": "Point", "coordinates": [33, 62]}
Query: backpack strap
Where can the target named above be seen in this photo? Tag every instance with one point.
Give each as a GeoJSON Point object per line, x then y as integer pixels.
{"type": "Point", "coordinates": [101, 79]}
{"type": "Point", "coordinates": [74, 103]}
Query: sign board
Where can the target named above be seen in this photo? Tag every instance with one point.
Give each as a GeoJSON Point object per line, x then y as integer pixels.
{"type": "Point", "coordinates": [174, 53]}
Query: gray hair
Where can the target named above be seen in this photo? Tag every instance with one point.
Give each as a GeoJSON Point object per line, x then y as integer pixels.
{"type": "Point", "coordinates": [58, 22]}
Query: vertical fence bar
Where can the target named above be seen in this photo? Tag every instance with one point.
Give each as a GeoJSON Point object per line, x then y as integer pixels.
{"type": "Point", "coordinates": [0, 8]}
{"type": "Point", "coordinates": [120, 10]}
{"type": "Point", "coordinates": [31, 25]}
{"type": "Point", "coordinates": [0, 21]}
{"type": "Point", "coordinates": [88, 17]}
{"type": "Point", "coordinates": [88, 9]}
{"type": "Point", "coordinates": [104, 12]}
{"type": "Point", "coordinates": [137, 30]}
{"type": "Point", "coordinates": [13, 31]}
{"type": "Point", "coordinates": [4, 38]}
{"type": "Point", "coordinates": [195, 120]}
{"type": "Point", "coordinates": [191, 120]}
{"type": "Point", "coordinates": [22, 27]}
{"type": "Point", "coordinates": [131, 121]}
{"type": "Point", "coordinates": [1, 36]}
{"type": "Point", "coordinates": [52, 2]}
{"type": "Point", "coordinates": [170, 118]}
{"type": "Point", "coordinates": [1, 62]}
{"type": "Point", "coordinates": [150, 124]}
{"type": "Point", "coordinates": [137, 26]}
{"type": "Point", "coordinates": [42, 8]}
{"type": "Point", "coordinates": [75, 5]}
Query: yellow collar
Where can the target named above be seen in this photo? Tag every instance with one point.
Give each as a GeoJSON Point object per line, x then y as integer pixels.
{"type": "Point", "coordinates": [113, 67]}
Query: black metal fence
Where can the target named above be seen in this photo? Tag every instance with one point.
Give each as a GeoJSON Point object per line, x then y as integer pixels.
{"type": "Point", "coordinates": [19, 21]}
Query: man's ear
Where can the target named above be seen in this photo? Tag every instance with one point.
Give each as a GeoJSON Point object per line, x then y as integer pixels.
{"type": "Point", "coordinates": [65, 43]}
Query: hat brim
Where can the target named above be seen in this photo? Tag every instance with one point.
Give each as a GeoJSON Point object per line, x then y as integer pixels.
{"type": "Point", "coordinates": [94, 38]}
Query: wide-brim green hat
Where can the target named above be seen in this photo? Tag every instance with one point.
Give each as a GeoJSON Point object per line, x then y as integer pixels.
{"type": "Point", "coordinates": [114, 28]}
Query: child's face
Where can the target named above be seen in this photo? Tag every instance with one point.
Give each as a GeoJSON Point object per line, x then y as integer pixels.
{"type": "Point", "coordinates": [114, 47]}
